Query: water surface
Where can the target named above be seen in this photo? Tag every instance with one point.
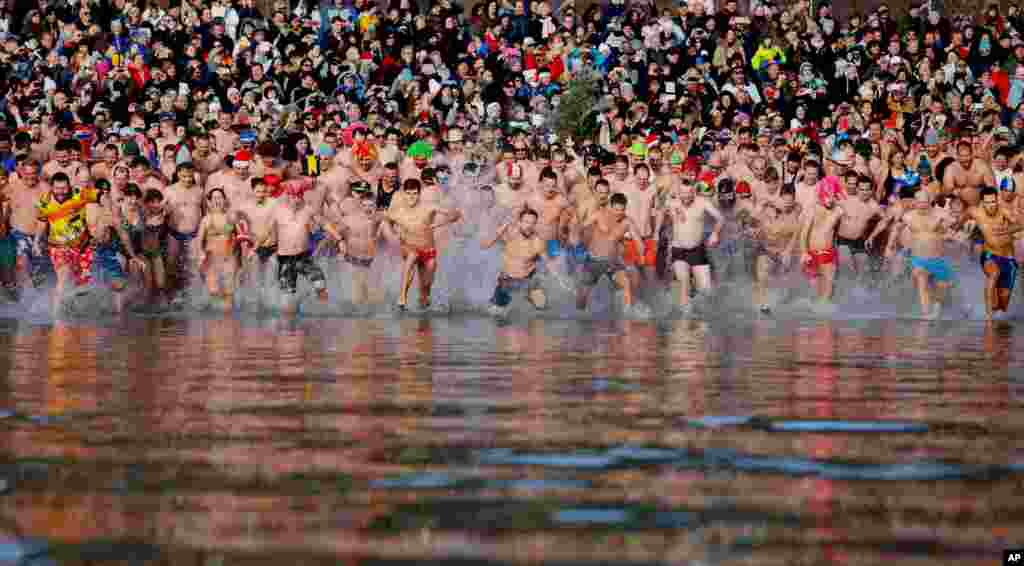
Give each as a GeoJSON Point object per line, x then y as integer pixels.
{"type": "Point", "coordinates": [326, 441]}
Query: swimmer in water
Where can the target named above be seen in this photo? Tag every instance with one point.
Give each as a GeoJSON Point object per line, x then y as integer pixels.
{"type": "Point", "coordinates": [359, 247]}
{"type": "Point", "coordinates": [415, 223]}
{"type": "Point", "coordinates": [998, 229]}
{"type": "Point", "coordinates": [609, 227]}
{"type": "Point", "coordinates": [523, 249]}
{"type": "Point", "coordinates": [219, 243]}
{"type": "Point", "coordinates": [293, 225]}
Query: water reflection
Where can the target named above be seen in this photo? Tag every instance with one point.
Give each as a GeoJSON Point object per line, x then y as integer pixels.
{"type": "Point", "coordinates": [328, 439]}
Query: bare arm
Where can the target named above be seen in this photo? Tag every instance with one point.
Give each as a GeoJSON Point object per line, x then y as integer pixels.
{"type": "Point", "coordinates": [489, 243]}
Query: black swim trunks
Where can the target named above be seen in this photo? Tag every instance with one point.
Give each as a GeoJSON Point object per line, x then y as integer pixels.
{"type": "Point", "coordinates": [289, 267]}
{"type": "Point", "coordinates": [694, 257]}
{"type": "Point", "coordinates": [359, 261]}
{"type": "Point", "coordinates": [857, 246]}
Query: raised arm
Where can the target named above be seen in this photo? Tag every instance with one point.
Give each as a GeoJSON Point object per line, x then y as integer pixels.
{"type": "Point", "coordinates": [489, 242]}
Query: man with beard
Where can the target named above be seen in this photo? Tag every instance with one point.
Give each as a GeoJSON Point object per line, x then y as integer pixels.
{"type": "Point", "coordinates": [523, 249]}
{"type": "Point", "coordinates": [964, 176]}
{"type": "Point", "coordinates": [62, 224]}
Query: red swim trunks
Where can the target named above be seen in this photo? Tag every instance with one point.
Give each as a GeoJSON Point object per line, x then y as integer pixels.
{"type": "Point", "coordinates": [423, 255]}
{"type": "Point", "coordinates": [633, 256]}
{"type": "Point", "coordinates": [818, 259]}
{"type": "Point", "coordinates": [79, 259]}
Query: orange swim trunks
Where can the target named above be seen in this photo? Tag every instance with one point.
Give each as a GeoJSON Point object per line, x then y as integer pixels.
{"type": "Point", "coordinates": [79, 259]}
{"type": "Point", "coordinates": [633, 256]}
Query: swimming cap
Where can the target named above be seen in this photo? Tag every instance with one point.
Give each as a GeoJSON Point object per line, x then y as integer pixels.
{"type": "Point", "coordinates": [638, 149]}
{"type": "Point", "coordinates": [243, 155]}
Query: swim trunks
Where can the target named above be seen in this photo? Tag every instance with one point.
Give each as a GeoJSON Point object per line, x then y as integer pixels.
{"type": "Point", "coordinates": [319, 235]}
{"type": "Point", "coordinates": [857, 245]}
{"type": "Point", "coordinates": [289, 267]}
{"type": "Point", "coordinates": [424, 255]}
{"type": "Point", "coordinates": [1007, 269]}
{"type": "Point", "coordinates": [597, 267]}
{"type": "Point", "coordinates": [78, 258]}
{"type": "Point", "coordinates": [647, 258]}
{"type": "Point", "coordinates": [694, 257]}
{"type": "Point", "coordinates": [39, 264]}
{"type": "Point", "coordinates": [107, 265]}
{"type": "Point", "coordinates": [264, 253]}
{"type": "Point", "coordinates": [182, 236]}
{"type": "Point", "coordinates": [359, 261]}
{"type": "Point", "coordinates": [936, 267]}
{"type": "Point", "coordinates": [818, 259]}
{"type": "Point", "coordinates": [508, 284]}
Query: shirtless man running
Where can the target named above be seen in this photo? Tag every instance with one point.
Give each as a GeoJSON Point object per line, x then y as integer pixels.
{"type": "Point", "coordinates": [927, 227]}
{"type": "Point", "coordinates": [292, 225]}
{"type": "Point", "coordinates": [776, 229]}
{"type": "Point", "coordinates": [361, 230]}
{"type": "Point", "coordinates": [998, 229]}
{"type": "Point", "coordinates": [853, 230]}
{"type": "Point", "coordinates": [183, 201]}
{"type": "Point", "coordinates": [817, 239]}
{"type": "Point", "coordinates": [608, 227]}
{"type": "Point", "coordinates": [523, 248]}
{"type": "Point", "coordinates": [257, 218]}
{"type": "Point", "coordinates": [552, 210]}
{"type": "Point", "coordinates": [415, 223]}
{"type": "Point", "coordinates": [683, 228]}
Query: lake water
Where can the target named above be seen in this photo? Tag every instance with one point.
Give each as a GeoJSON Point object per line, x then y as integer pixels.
{"type": "Point", "coordinates": [327, 440]}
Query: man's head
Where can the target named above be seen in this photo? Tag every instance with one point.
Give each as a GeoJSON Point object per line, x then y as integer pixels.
{"type": "Point", "coordinates": [411, 188]}
{"type": "Point", "coordinates": [61, 185]}
{"type": "Point", "coordinates": [964, 154]}
{"type": "Point", "coordinates": [153, 201]}
{"type": "Point", "coordinates": [788, 197]}
{"type": "Point", "coordinates": [549, 183]}
{"type": "Point", "coordinates": [618, 203]}
{"type": "Point", "coordinates": [528, 222]}
{"type": "Point", "coordinates": [259, 188]}
{"type": "Point", "coordinates": [989, 201]}
{"type": "Point", "coordinates": [642, 175]}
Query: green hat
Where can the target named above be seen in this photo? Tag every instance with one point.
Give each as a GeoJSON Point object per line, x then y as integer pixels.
{"type": "Point", "coordinates": [676, 159]}
{"type": "Point", "coordinates": [421, 149]}
{"type": "Point", "coordinates": [638, 149]}
{"type": "Point", "coordinates": [130, 149]}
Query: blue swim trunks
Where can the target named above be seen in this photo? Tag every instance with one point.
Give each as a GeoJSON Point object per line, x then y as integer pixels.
{"type": "Point", "coordinates": [106, 265]}
{"type": "Point", "coordinates": [937, 267]}
{"type": "Point", "coordinates": [1007, 269]}
{"type": "Point", "coordinates": [39, 264]}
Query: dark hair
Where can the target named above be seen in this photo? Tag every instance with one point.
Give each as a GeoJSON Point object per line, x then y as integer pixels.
{"type": "Point", "coordinates": [102, 185]}
{"type": "Point", "coordinates": [60, 177]}
{"type": "Point", "coordinates": [788, 189]}
{"type": "Point", "coordinates": [412, 185]}
{"type": "Point", "coordinates": [139, 161]}
{"type": "Point", "coordinates": [640, 166]}
{"type": "Point", "coordinates": [256, 181]}
{"type": "Point", "coordinates": [131, 190]}
{"type": "Point", "coordinates": [602, 181]}
{"type": "Point", "coordinates": [528, 212]}
{"type": "Point", "coordinates": [548, 173]}
{"type": "Point", "coordinates": [989, 191]}
{"type": "Point", "coordinates": [618, 198]}
{"type": "Point", "coordinates": [209, 195]}
{"type": "Point", "coordinates": [153, 195]}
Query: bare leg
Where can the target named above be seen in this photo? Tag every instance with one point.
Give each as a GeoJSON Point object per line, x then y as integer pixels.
{"type": "Point", "coordinates": [360, 285]}
{"type": "Point", "coordinates": [63, 275]}
{"type": "Point", "coordinates": [826, 281]}
{"type": "Point", "coordinates": [682, 271]}
{"type": "Point", "coordinates": [924, 292]}
{"type": "Point", "coordinates": [991, 289]}
{"type": "Point", "coordinates": [427, 269]}
{"type": "Point", "coordinates": [538, 299]}
{"type": "Point", "coordinates": [408, 264]}
{"type": "Point", "coordinates": [702, 277]}
{"type": "Point", "coordinates": [582, 296]}
{"type": "Point", "coordinates": [624, 281]}
{"type": "Point", "coordinates": [762, 272]}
